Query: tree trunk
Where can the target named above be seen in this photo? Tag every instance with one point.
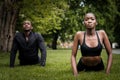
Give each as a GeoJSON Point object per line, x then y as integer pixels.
{"type": "Point", "coordinates": [54, 42]}
{"type": "Point", "coordinates": [8, 17]}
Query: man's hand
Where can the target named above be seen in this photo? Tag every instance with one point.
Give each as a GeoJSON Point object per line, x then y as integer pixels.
{"type": "Point", "coordinates": [42, 64]}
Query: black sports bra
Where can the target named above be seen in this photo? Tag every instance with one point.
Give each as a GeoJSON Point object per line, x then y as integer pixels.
{"type": "Point", "coordinates": [87, 51]}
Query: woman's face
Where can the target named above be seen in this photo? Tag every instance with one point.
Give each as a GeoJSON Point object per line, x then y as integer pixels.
{"type": "Point", "coordinates": [90, 21]}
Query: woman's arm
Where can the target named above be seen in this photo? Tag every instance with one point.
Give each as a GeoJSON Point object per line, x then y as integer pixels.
{"type": "Point", "coordinates": [109, 51]}
{"type": "Point", "coordinates": [73, 56]}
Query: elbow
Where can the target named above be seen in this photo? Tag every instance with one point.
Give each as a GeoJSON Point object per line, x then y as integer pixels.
{"type": "Point", "coordinates": [73, 57]}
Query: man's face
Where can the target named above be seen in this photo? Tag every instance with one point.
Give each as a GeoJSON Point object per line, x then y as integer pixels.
{"type": "Point", "coordinates": [27, 25]}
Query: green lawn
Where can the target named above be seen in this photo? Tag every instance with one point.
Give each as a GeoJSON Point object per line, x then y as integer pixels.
{"type": "Point", "coordinates": [57, 67]}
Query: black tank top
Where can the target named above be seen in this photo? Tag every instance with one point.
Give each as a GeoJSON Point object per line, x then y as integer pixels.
{"type": "Point", "coordinates": [87, 51]}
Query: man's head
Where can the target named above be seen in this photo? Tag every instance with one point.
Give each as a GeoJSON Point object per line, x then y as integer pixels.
{"type": "Point", "coordinates": [27, 26]}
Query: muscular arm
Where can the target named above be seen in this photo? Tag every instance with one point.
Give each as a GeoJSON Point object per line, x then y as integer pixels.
{"type": "Point", "coordinates": [108, 50]}
{"type": "Point", "coordinates": [42, 49]}
{"type": "Point", "coordinates": [13, 53]}
{"type": "Point", "coordinates": [73, 56]}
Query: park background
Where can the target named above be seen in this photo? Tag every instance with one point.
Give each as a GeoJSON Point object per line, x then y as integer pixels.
{"type": "Point", "coordinates": [57, 21]}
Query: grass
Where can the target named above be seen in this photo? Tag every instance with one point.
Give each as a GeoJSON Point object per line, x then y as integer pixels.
{"type": "Point", "coordinates": [57, 67]}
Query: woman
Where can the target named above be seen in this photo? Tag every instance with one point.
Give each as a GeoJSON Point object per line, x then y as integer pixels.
{"type": "Point", "coordinates": [91, 46]}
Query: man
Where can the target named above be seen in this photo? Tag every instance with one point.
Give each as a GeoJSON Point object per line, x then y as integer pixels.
{"type": "Point", "coordinates": [28, 43]}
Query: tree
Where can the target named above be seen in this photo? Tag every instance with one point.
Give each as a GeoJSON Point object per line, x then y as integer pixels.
{"type": "Point", "coordinates": [105, 14]}
{"type": "Point", "coordinates": [117, 23]}
{"type": "Point", "coordinates": [56, 18]}
{"type": "Point", "coordinates": [9, 10]}
{"type": "Point", "coordinates": [46, 17]}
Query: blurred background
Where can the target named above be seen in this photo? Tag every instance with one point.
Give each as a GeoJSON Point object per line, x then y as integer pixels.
{"type": "Point", "coordinates": [57, 20]}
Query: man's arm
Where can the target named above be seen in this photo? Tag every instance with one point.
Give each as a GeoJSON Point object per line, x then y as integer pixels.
{"type": "Point", "coordinates": [42, 47]}
{"type": "Point", "coordinates": [13, 53]}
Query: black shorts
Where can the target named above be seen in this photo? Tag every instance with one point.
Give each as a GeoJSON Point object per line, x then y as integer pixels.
{"type": "Point", "coordinates": [82, 67]}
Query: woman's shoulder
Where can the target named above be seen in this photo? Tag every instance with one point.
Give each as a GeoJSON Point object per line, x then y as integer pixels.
{"type": "Point", "coordinates": [101, 32]}
{"type": "Point", "coordinates": [80, 32]}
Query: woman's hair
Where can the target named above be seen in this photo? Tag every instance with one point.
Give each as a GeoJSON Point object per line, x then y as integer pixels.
{"type": "Point", "coordinates": [91, 13]}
